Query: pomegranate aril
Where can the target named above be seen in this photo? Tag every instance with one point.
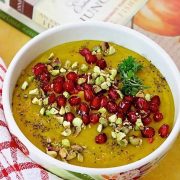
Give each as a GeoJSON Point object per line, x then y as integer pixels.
{"type": "Point", "coordinates": [74, 100]}
{"type": "Point", "coordinates": [101, 138]}
{"type": "Point", "coordinates": [85, 119]}
{"type": "Point", "coordinates": [150, 140]}
{"type": "Point", "coordinates": [45, 77]}
{"type": "Point", "coordinates": [83, 108]}
{"type": "Point", "coordinates": [46, 87]}
{"type": "Point", "coordinates": [121, 115]}
{"type": "Point", "coordinates": [69, 116]}
{"type": "Point", "coordinates": [79, 87]}
{"type": "Point", "coordinates": [58, 87]}
{"type": "Point", "coordinates": [84, 51]}
{"type": "Point", "coordinates": [101, 63]}
{"type": "Point", "coordinates": [51, 98]}
{"type": "Point", "coordinates": [90, 59]}
{"type": "Point", "coordinates": [39, 69]}
{"type": "Point", "coordinates": [113, 94]}
{"type": "Point", "coordinates": [88, 95]}
{"type": "Point", "coordinates": [125, 105]}
{"type": "Point", "coordinates": [132, 117]}
{"type": "Point", "coordinates": [156, 100]}
{"type": "Point", "coordinates": [128, 98]}
{"type": "Point", "coordinates": [144, 114]}
{"type": "Point", "coordinates": [94, 118]}
{"type": "Point", "coordinates": [72, 76]}
{"type": "Point", "coordinates": [112, 107]}
{"type": "Point", "coordinates": [141, 104]}
{"type": "Point", "coordinates": [104, 101]}
{"type": "Point", "coordinates": [69, 86]}
{"type": "Point", "coordinates": [158, 116]}
{"type": "Point", "coordinates": [146, 121]}
{"type": "Point", "coordinates": [61, 101]}
{"type": "Point", "coordinates": [96, 103]}
{"type": "Point", "coordinates": [153, 107]}
{"type": "Point", "coordinates": [164, 131]}
{"type": "Point", "coordinates": [148, 132]}
{"type": "Point", "coordinates": [59, 79]}
{"type": "Point", "coordinates": [87, 86]}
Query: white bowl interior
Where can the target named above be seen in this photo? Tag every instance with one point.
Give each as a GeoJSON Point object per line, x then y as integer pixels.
{"type": "Point", "coordinates": [93, 31]}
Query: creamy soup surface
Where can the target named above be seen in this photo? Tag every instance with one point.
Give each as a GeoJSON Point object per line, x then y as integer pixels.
{"type": "Point", "coordinates": [44, 127]}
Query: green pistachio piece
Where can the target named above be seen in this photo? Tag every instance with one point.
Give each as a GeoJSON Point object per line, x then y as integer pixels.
{"type": "Point", "coordinates": [77, 122]}
{"type": "Point", "coordinates": [112, 118]}
{"type": "Point", "coordinates": [81, 81]}
{"type": "Point", "coordinates": [30, 78]}
{"type": "Point", "coordinates": [45, 101]}
{"type": "Point", "coordinates": [96, 88]}
{"type": "Point", "coordinates": [71, 155]}
{"type": "Point", "coordinates": [42, 111]}
{"type": "Point", "coordinates": [148, 97]}
{"type": "Point", "coordinates": [62, 70]}
{"type": "Point", "coordinates": [62, 111]}
{"type": "Point", "coordinates": [97, 69]}
{"type": "Point", "coordinates": [118, 121]}
{"type": "Point", "coordinates": [99, 128]}
{"type": "Point", "coordinates": [94, 75]}
{"type": "Point", "coordinates": [111, 50]}
{"type": "Point", "coordinates": [34, 91]}
{"type": "Point", "coordinates": [63, 153]}
{"type": "Point", "coordinates": [105, 86]}
{"type": "Point", "coordinates": [52, 153]}
{"type": "Point", "coordinates": [66, 132]}
{"type": "Point", "coordinates": [80, 157]}
{"type": "Point", "coordinates": [53, 111]}
{"type": "Point", "coordinates": [37, 101]}
{"type": "Point", "coordinates": [120, 136]}
{"type": "Point", "coordinates": [135, 141]}
{"type": "Point", "coordinates": [66, 124]}
{"type": "Point", "coordinates": [24, 85]}
{"type": "Point", "coordinates": [113, 134]}
{"type": "Point", "coordinates": [66, 94]}
{"type": "Point", "coordinates": [55, 72]}
{"type": "Point", "coordinates": [103, 121]}
{"type": "Point", "coordinates": [123, 142]}
{"type": "Point", "coordinates": [139, 124]}
{"type": "Point", "coordinates": [51, 56]}
{"type": "Point", "coordinates": [102, 110]}
{"type": "Point", "coordinates": [66, 143]}
{"type": "Point", "coordinates": [60, 119]}
{"type": "Point", "coordinates": [67, 64]}
{"type": "Point", "coordinates": [74, 65]}
{"type": "Point", "coordinates": [84, 67]}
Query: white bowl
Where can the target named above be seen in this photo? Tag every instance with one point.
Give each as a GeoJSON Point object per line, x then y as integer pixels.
{"type": "Point", "coordinates": [91, 31]}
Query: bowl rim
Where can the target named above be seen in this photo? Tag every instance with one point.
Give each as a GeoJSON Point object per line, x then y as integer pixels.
{"type": "Point", "coordinates": [86, 170]}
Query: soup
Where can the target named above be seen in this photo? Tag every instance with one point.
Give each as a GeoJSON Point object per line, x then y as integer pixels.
{"type": "Point", "coordinates": [93, 104]}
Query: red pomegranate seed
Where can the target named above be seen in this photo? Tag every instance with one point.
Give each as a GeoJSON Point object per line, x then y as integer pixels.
{"type": "Point", "coordinates": [69, 116]}
{"type": "Point", "coordinates": [39, 69]}
{"type": "Point", "coordinates": [86, 119]}
{"type": "Point", "coordinates": [144, 114]}
{"type": "Point", "coordinates": [128, 98]}
{"type": "Point", "coordinates": [74, 100]}
{"type": "Point", "coordinates": [153, 107]}
{"type": "Point", "coordinates": [150, 140]}
{"type": "Point", "coordinates": [101, 138]}
{"type": "Point", "coordinates": [125, 105]}
{"type": "Point", "coordinates": [104, 101]}
{"type": "Point", "coordinates": [87, 86]}
{"type": "Point", "coordinates": [79, 87]}
{"type": "Point", "coordinates": [69, 86]}
{"type": "Point", "coordinates": [61, 101]}
{"type": "Point", "coordinates": [84, 51]}
{"type": "Point", "coordinates": [132, 117]}
{"type": "Point", "coordinates": [96, 103]}
{"type": "Point", "coordinates": [59, 79]}
{"type": "Point", "coordinates": [141, 104]}
{"type": "Point", "coordinates": [156, 100]}
{"type": "Point", "coordinates": [83, 108]}
{"type": "Point", "coordinates": [94, 118]}
{"type": "Point", "coordinates": [164, 131]}
{"type": "Point", "coordinates": [45, 77]}
{"type": "Point", "coordinates": [88, 95]}
{"type": "Point", "coordinates": [51, 98]}
{"type": "Point", "coordinates": [46, 87]}
{"type": "Point", "coordinates": [113, 95]}
{"type": "Point", "coordinates": [148, 132]}
{"type": "Point", "coordinates": [58, 87]}
{"type": "Point", "coordinates": [120, 115]}
{"type": "Point", "coordinates": [158, 116]}
{"type": "Point", "coordinates": [101, 63]}
{"type": "Point", "coordinates": [146, 121]}
{"type": "Point", "coordinates": [112, 107]}
{"type": "Point", "coordinates": [90, 59]}
{"type": "Point", "coordinates": [72, 76]}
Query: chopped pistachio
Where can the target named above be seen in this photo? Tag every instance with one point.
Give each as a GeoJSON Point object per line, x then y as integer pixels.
{"type": "Point", "coordinates": [24, 85]}
{"type": "Point", "coordinates": [49, 68]}
{"type": "Point", "coordinates": [34, 91]}
{"type": "Point", "coordinates": [96, 50]}
{"type": "Point", "coordinates": [103, 121]}
{"type": "Point", "coordinates": [48, 140]}
{"type": "Point", "coordinates": [96, 88]}
{"type": "Point", "coordinates": [51, 56]}
{"type": "Point", "coordinates": [55, 72]}
{"type": "Point", "coordinates": [67, 108]}
{"type": "Point", "coordinates": [60, 119]}
{"type": "Point", "coordinates": [66, 94]}
{"type": "Point", "coordinates": [140, 94]}
{"type": "Point", "coordinates": [37, 101]}
{"type": "Point", "coordinates": [98, 81]}
{"type": "Point", "coordinates": [67, 64]}
{"type": "Point", "coordinates": [80, 157]}
{"type": "Point", "coordinates": [105, 86]}
{"type": "Point", "coordinates": [139, 124]}
{"type": "Point", "coordinates": [123, 142]}
{"type": "Point", "coordinates": [81, 81]}
{"type": "Point", "coordinates": [45, 101]}
{"type": "Point", "coordinates": [42, 111]}
{"type": "Point", "coordinates": [120, 136]}
{"type": "Point", "coordinates": [53, 111]}
{"type": "Point", "coordinates": [99, 128]}
{"type": "Point", "coordinates": [77, 122]}
{"type": "Point", "coordinates": [71, 155]}
{"type": "Point", "coordinates": [54, 105]}
{"type": "Point", "coordinates": [62, 70]}
{"type": "Point", "coordinates": [112, 118]}
{"type": "Point", "coordinates": [102, 110]}
{"type": "Point", "coordinates": [63, 153]}
{"type": "Point", "coordinates": [66, 143]}
{"type": "Point", "coordinates": [135, 141]}
{"type": "Point", "coordinates": [77, 131]}
{"type": "Point", "coordinates": [125, 130]}
{"type": "Point", "coordinates": [77, 148]}
{"type": "Point", "coordinates": [62, 111]}
{"type": "Point", "coordinates": [118, 121]}
{"type": "Point", "coordinates": [113, 134]}
{"type": "Point", "coordinates": [113, 72]}
{"type": "Point", "coordinates": [111, 50]}
{"type": "Point", "coordinates": [30, 78]}
{"type": "Point", "coordinates": [84, 67]}
{"type": "Point", "coordinates": [74, 65]}
{"type": "Point", "coordinates": [66, 124]}
{"type": "Point", "coordinates": [148, 97]}
{"type": "Point", "coordinates": [94, 75]}
{"type": "Point", "coordinates": [66, 132]}
{"type": "Point", "coordinates": [97, 69]}
{"type": "Point", "coordinates": [52, 153]}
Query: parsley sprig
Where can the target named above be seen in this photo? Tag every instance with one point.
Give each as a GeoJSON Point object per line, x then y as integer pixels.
{"type": "Point", "coordinates": [131, 82]}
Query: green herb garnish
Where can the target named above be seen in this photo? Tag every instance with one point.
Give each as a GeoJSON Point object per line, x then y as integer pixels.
{"type": "Point", "coordinates": [132, 84]}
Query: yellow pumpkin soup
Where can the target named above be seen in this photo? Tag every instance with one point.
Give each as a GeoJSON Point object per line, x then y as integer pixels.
{"type": "Point", "coordinates": [93, 104]}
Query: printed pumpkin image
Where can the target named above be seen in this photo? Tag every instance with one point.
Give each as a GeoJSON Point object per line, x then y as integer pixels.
{"type": "Point", "coordinates": [160, 17]}
{"type": "Point", "coordinates": [93, 104]}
